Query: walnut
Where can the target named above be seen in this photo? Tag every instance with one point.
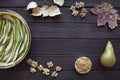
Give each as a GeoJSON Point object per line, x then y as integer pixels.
{"type": "Point", "coordinates": [34, 64]}
{"type": "Point", "coordinates": [46, 71]}
{"type": "Point", "coordinates": [79, 4]}
{"type": "Point", "coordinates": [29, 61]}
{"type": "Point", "coordinates": [75, 13]}
{"type": "Point", "coordinates": [72, 7]}
{"type": "Point", "coordinates": [58, 68]}
{"type": "Point", "coordinates": [83, 10]}
{"type": "Point", "coordinates": [33, 70]}
{"type": "Point", "coordinates": [83, 15]}
{"type": "Point", "coordinates": [50, 64]}
{"type": "Point", "coordinates": [40, 67]}
{"type": "Point", "coordinates": [54, 74]}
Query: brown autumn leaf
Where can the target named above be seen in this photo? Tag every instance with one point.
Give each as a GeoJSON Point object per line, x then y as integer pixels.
{"type": "Point", "coordinates": [106, 14]}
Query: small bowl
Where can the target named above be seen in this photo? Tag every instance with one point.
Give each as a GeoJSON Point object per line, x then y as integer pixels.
{"type": "Point", "coordinates": [83, 65]}
{"type": "Point", "coordinates": [4, 65]}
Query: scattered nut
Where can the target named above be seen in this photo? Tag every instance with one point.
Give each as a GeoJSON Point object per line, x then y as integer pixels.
{"type": "Point", "coordinates": [72, 7]}
{"type": "Point", "coordinates": [50, 64]}
{"type": "Point", "coordinates": [75, 13]}
{"type": "Point", "coordinates": [79, 4]}
{"type": "Point", "coordinates": [29, 61]}
{"type": "Point", "coordinates": [46, 71]}
{"type": "Point", "coordinates": [40, 67]}
{"type": "Point", "coordinates": [34, 64]}
{"type": "Point", "coordinates": [54, 74]}
{"type": "Point", "coordinates": [58, 68]}
{"type": "Point", "coordinates": [32, 70]}
{"type": "Point", "coordinates": [83, 15]}
{"type": "Point", "coordinates": [84, 10]}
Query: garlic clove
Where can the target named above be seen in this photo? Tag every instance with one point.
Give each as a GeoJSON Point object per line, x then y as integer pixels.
{"type": "Point", "coordinates": [59, 2]}
{"type": "Point", "coordinates": [31, 5]}
{"type": "Point", "coordinates": [53, 11]}
{"type": "Point", "coordinates": [36, 11]}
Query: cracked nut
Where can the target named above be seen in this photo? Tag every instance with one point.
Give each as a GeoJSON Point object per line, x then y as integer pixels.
{"type": "Point", "coordinates": [75, 13]}
{"type": "Point", "coordinates": [72, 7]}
{"type": "Point", "coordinates": [34, 64]}
{"type": "Point", "coordinates": [58, 68]}
{"type": "Point", "coordinates": [33, 70]}
{"type": "Point", "coordinates": [29, 61]}
{"type": "Point", "coordinates": [50, 64]}
{"type": "Point", "coordinates": [54, 74]}
{"type": "Point", "coordinates": [83, 15]}
{"type": "Point", "coordinates": [84, 10]}
{"type": "Point", "coordinates": [40, 67]}
{"type": "Point", "coordinates": [46, 71]}
{"type": "Point", "coordinates": [79, 4]}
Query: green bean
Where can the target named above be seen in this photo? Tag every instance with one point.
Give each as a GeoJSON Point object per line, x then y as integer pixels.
{"type": "Point", "coordinates": [14, 38]}
{"type": "Point", "coordinates": [8, 17]}
{"type": "Point", "coordinates": [2, 31]}
{"type": "Point", "coordinates": [13, 44]}
{"type": "Point", "coordinates": [3, 50]}
{"type": "Point", "coordinates": [1, 27]}
{"type": "Point", "coordinates": [18, 25]}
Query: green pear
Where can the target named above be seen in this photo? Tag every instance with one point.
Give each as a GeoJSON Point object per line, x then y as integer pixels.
{"type": "Point", "coordinates": [108, 58]}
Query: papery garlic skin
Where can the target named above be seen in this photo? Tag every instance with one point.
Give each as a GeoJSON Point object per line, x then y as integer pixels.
{"type": "Point", "coordinates": [31, 5]}
{"type": "Point", "coordinates": [36, 11]}
{"type": "Point", "coordinates": [44, 10]}
{"type": "Point", "coordinates": [53, 11]}
{"type": "Point", "coordinates": [59, 2]}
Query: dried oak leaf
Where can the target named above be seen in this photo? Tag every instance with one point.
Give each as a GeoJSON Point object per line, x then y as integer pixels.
{"type": "Point", "coordinates": [106, 14]}
{"type": "Point", "coordinates": [59, 2]}
{"type": "Point", "coordinates": [31, 5]}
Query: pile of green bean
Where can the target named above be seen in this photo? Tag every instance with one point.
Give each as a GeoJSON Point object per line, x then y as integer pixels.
{"type": "Point", "coordinates": [14, 38]}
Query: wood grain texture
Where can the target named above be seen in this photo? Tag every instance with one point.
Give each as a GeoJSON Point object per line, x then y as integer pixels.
{"type": "Point", "coordinates": [72, 30]}
{"type": "Point", "coordinates": [68, 75]}
{"type": "Point", "coordinates": [66, 16]}
{"type": "Point", "coordinates": [63, 39]}
{"type": "Point", "coordinates": [23, 3]}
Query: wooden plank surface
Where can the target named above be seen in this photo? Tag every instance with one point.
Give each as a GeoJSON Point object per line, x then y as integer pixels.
{"type": "Point", "coordinates": [63, 39]}
{"type": "Point", "coordinates": [23, 3]}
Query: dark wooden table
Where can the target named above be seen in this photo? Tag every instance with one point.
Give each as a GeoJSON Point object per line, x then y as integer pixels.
{"type": "Point", "coordinates": [64, 38]}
